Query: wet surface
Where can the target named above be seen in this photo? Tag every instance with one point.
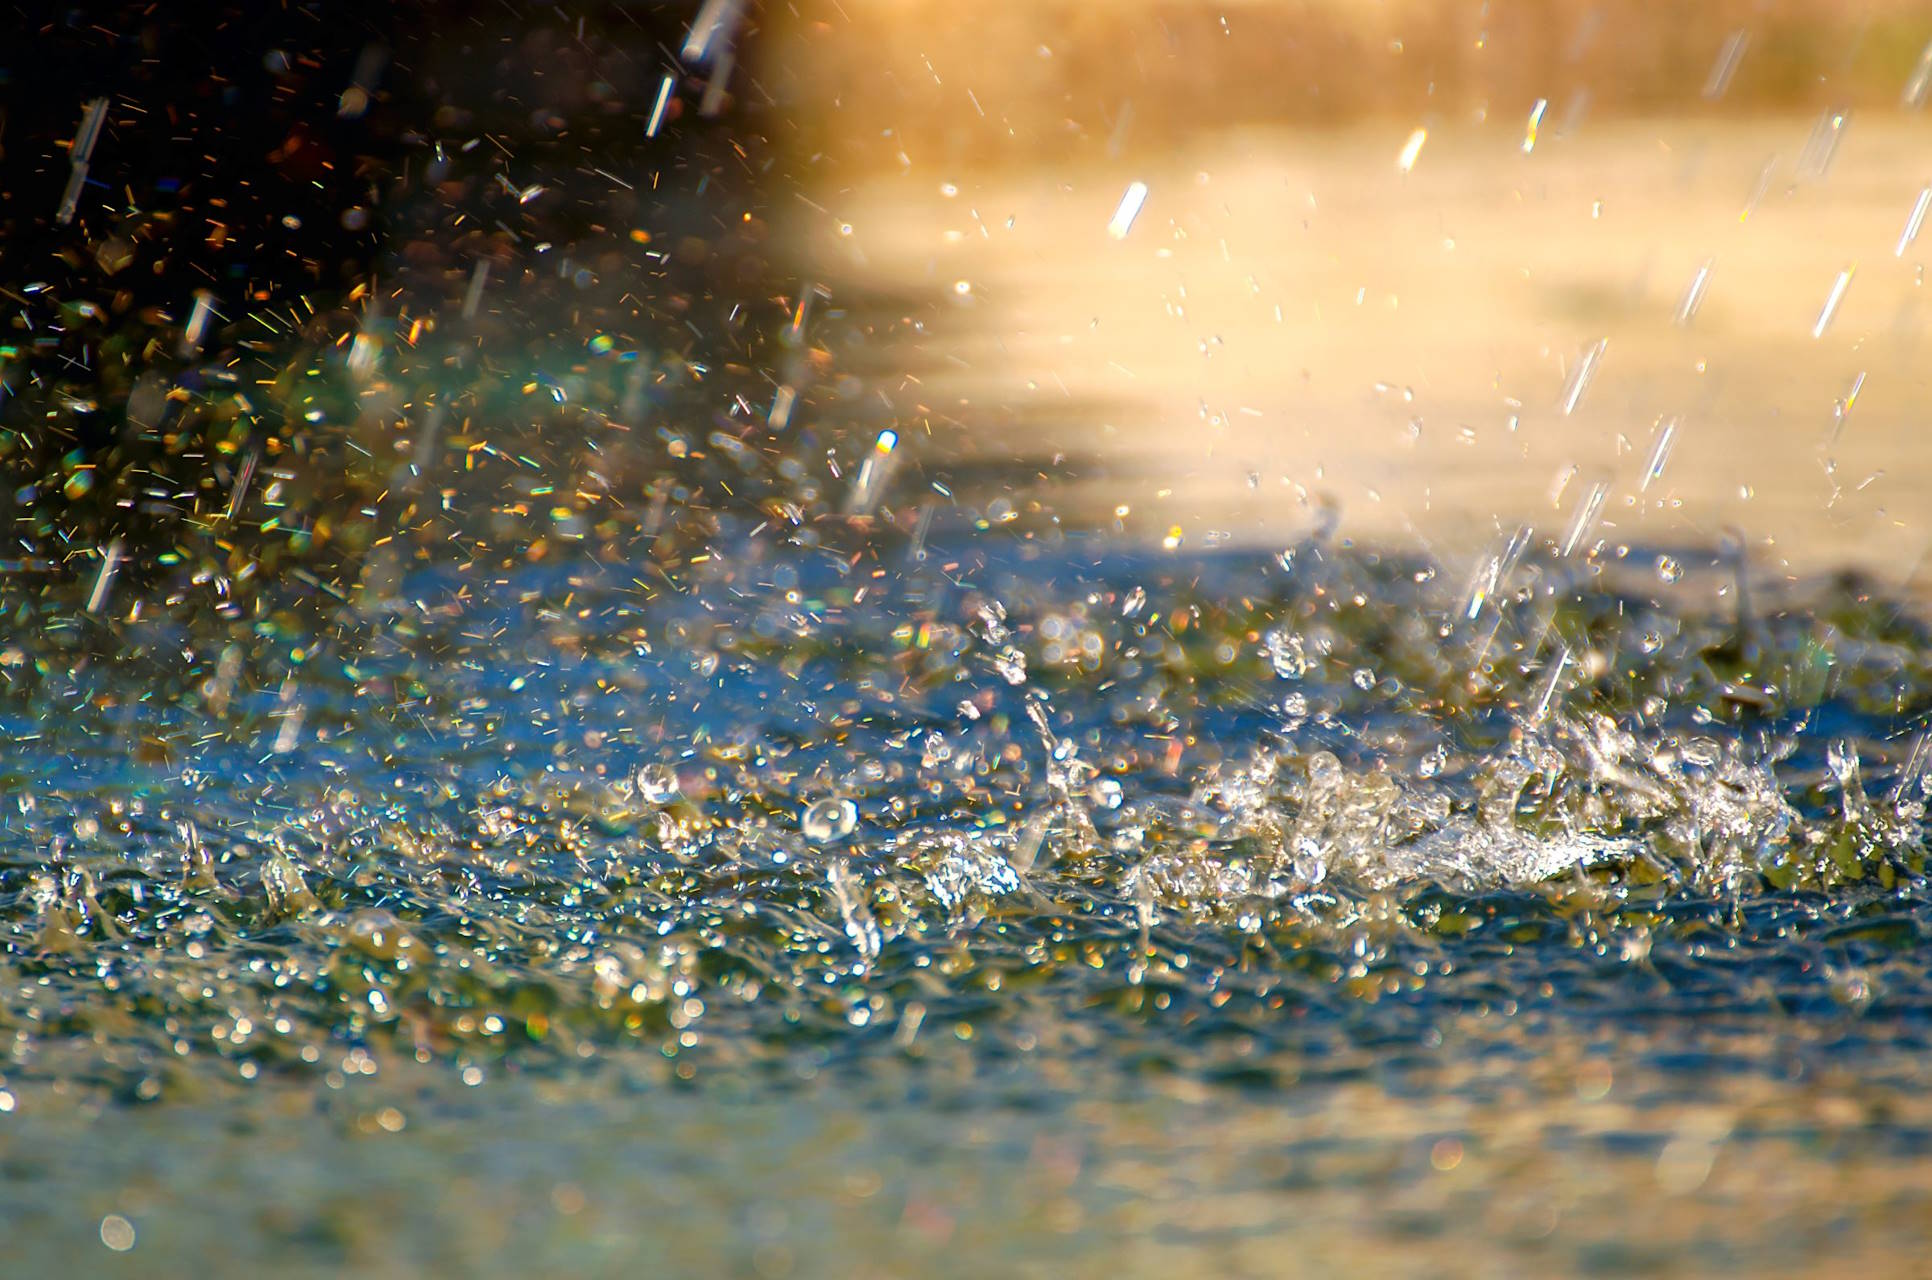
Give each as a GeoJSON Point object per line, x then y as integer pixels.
{"type": "Point", "coordinates": [1558, 878]}
{"type": "Point", "coordinates": [722, 681]}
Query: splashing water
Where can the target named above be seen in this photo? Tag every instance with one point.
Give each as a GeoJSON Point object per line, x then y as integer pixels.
{"type": "Point", "coordinates": [572, 666]}
{"type": "Point", "coordinates": [1680, 770]}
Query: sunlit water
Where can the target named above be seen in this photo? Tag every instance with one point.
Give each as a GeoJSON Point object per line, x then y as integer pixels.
{"type": "Point", "coordinates": [1664, 326]}
{"type": "Point", "coordinates": [1009, 892]}
{"type": "Point", "coordinates": [990, 698]}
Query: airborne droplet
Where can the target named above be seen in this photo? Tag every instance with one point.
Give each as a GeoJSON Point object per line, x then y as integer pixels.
{"type": "Point", "coordinates": [826, 821]}
{"type": "Point", "coordinates": [657, 783]}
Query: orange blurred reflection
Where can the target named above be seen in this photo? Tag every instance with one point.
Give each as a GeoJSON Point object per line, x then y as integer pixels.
{"type": "Point", "coordinates": [1450, 269]}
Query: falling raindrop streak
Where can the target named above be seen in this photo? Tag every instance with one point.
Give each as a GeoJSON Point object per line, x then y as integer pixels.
{"type": "Point", "coordinates": [1913, 222]}
{"type": "Point", "coordinates": [1829, 311]}
{"type": "Point", "coordinates": [1582, 375]}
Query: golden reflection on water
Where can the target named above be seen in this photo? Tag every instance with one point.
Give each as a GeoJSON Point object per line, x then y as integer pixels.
{"type": "Point", "coordinates": [1626, 312]}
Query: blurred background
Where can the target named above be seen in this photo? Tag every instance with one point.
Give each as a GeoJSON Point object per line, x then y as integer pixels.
{"type": "Point", "coordinates": [1623, 272]}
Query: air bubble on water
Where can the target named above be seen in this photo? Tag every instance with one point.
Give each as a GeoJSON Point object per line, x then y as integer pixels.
{"type": "Point", "coordinates": [1106, 793]}
{"type": "Point", "coordinates": [830, 820]}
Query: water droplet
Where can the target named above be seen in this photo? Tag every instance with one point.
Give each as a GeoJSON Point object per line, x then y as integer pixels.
{"type": "Point", "coordinates": [117, 1233]}
{"type": "Point", "coordinates": [657, 783]}
{"type": "Point", "coordinates": [828, 820]}
{"type": "Point", "coordinates": [1011, 664]}
{"type": "Point", "coordinates": [1311, 868]}
{"type": "Point", "coordinates": [1286, 653]}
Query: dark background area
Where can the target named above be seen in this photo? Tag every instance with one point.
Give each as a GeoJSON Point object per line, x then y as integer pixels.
{"type": "Point", "coordinates": [323, 171]}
